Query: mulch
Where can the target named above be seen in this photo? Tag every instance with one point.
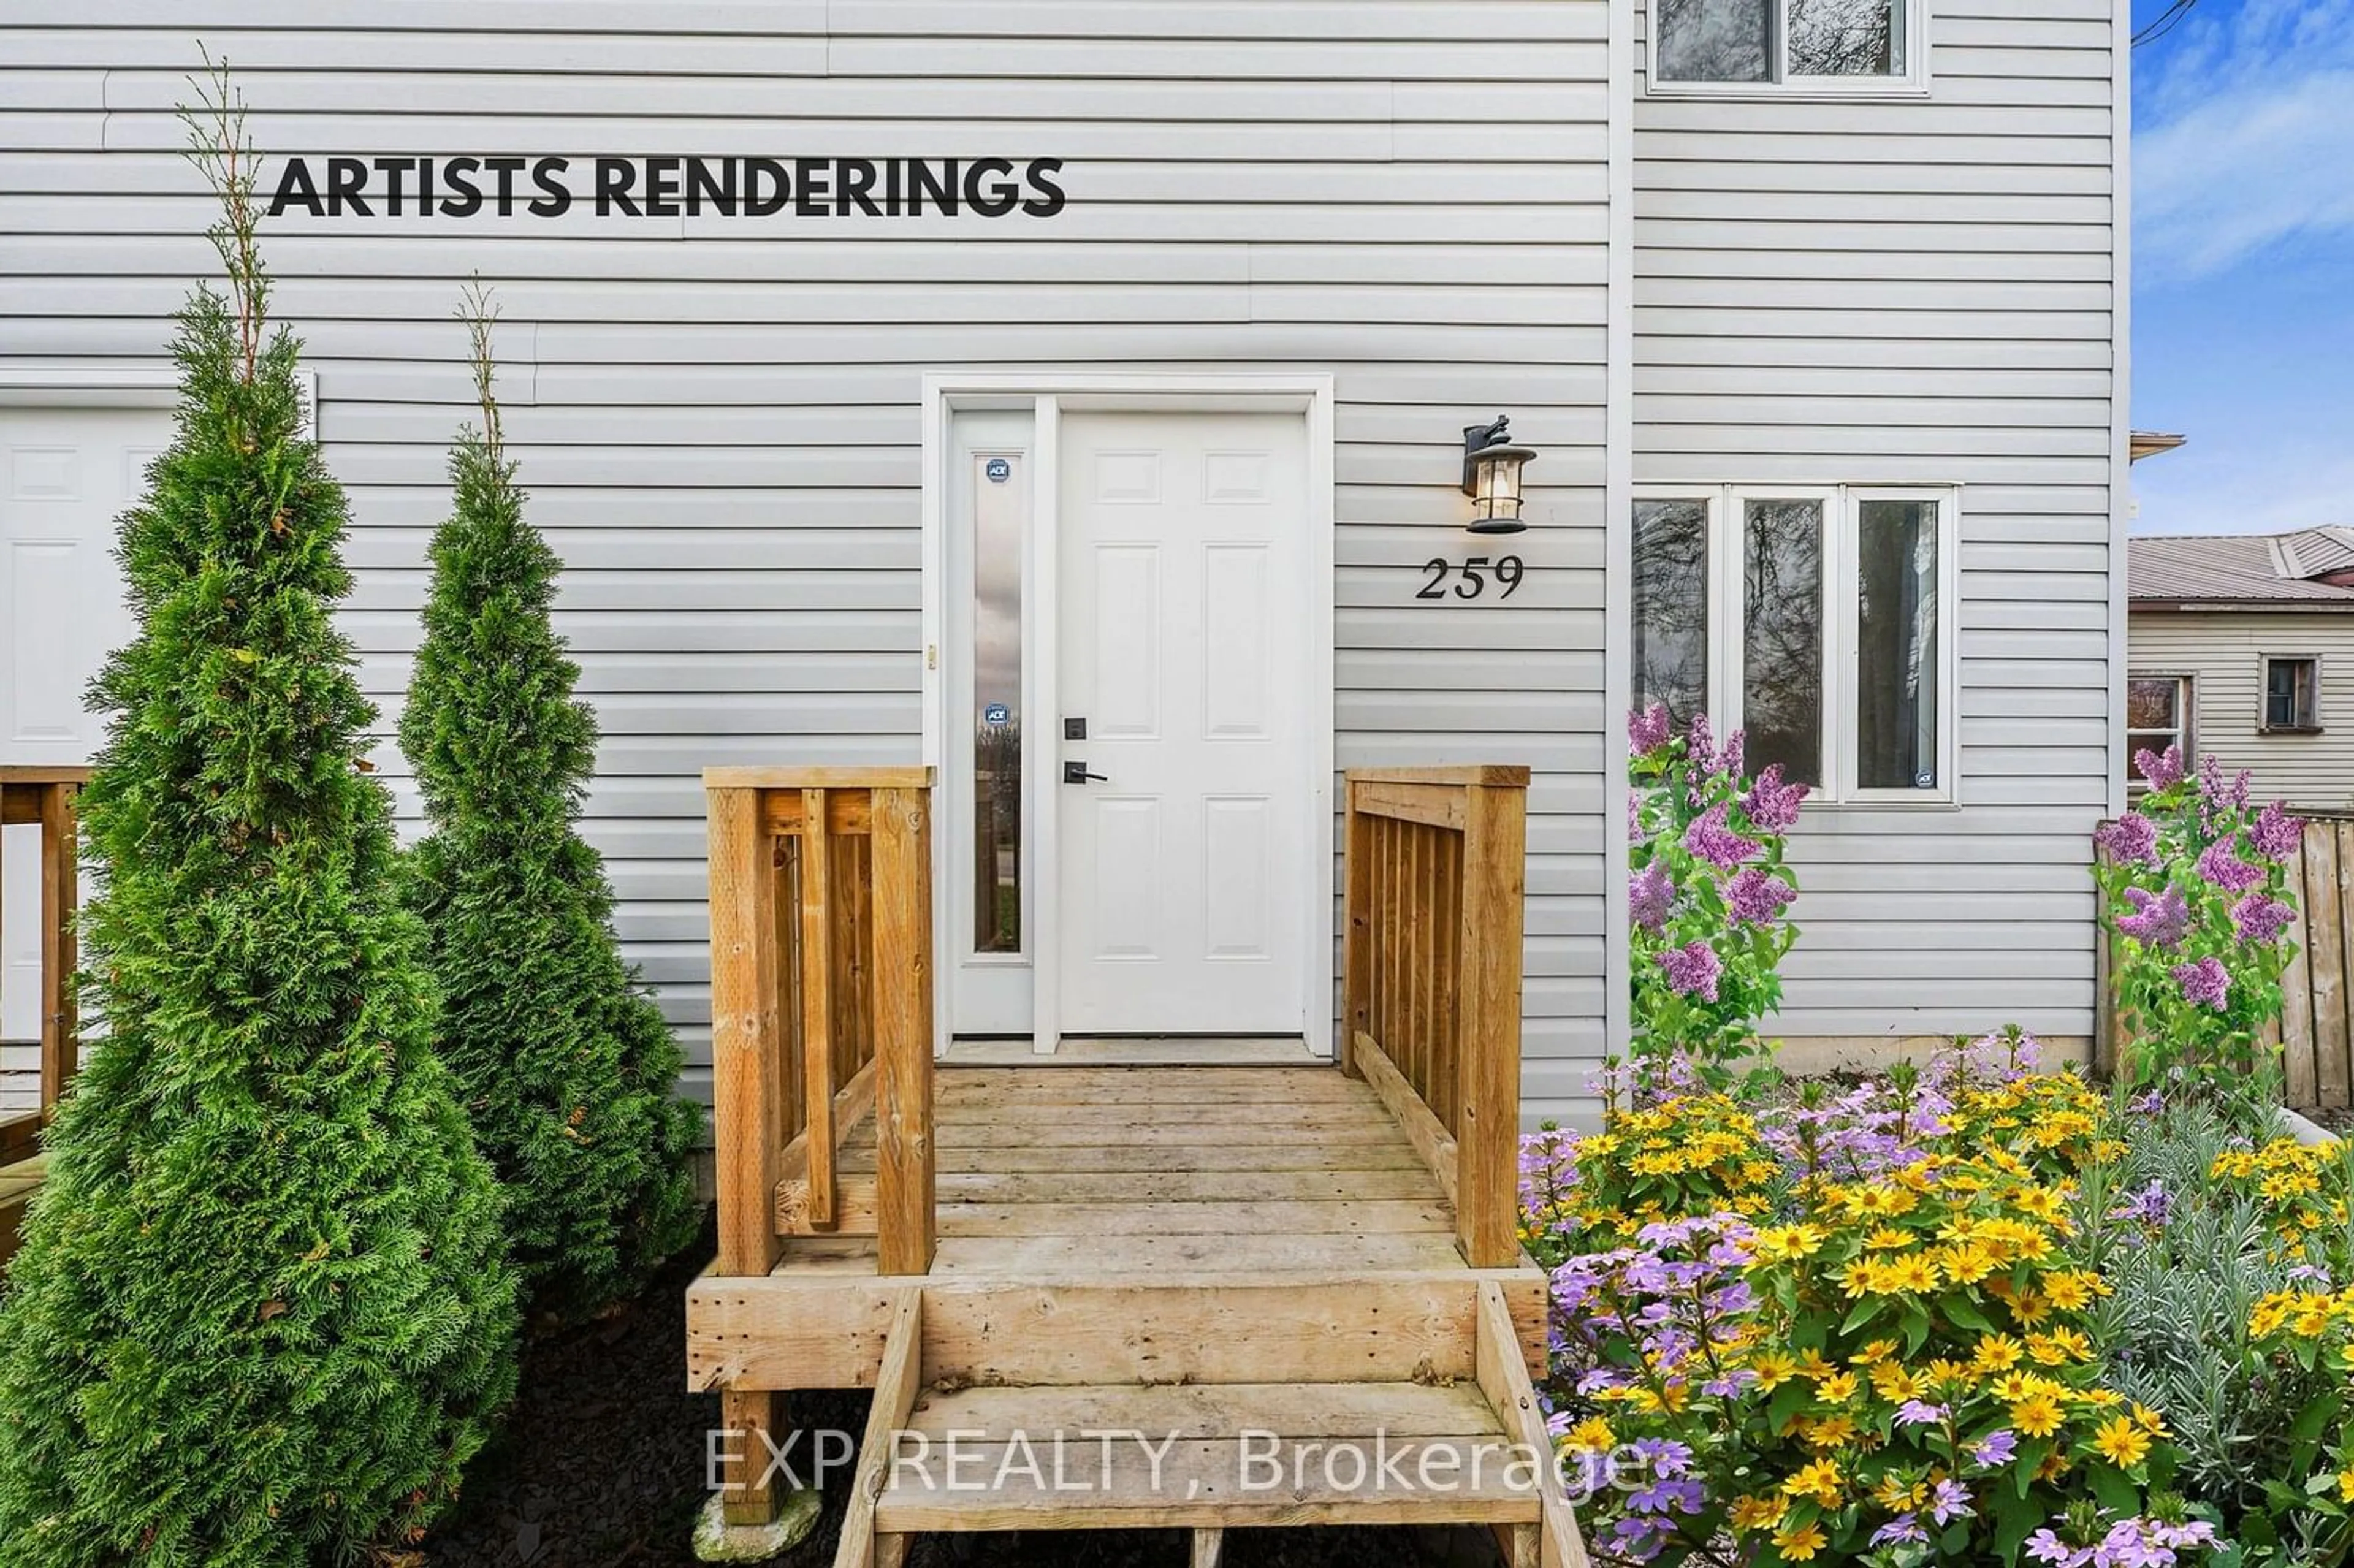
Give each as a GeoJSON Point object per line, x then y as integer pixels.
{"type": "Point", "coordinates": [602, 1466]}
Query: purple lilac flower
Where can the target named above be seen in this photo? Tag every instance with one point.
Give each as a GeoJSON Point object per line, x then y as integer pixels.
{"type": "Point", "coordinates": [1651, 893]}
{"type": "Point", "coordinates": [1995, 1449]}
{"type": "Point", "coordinates": [2211, 785]}
{"type": "Point", "coordinates": [1771, 805]}
{"type": "Point", "coordinates": [1648, 729]}
{"type": "Point", "coordinates": [1710, 838]}
{"type": "Point", "coordinates": [1905, 1530]}
{"type": "Point", "coordinates": [2276, 833]}
{"type": "Point", "coordinates": [1692, 968]}
{"type": "Point", "coordinates": [1950, 1501]}
{"type": "Point", "coordinates": [1728, 762]}
{"type": "Point", "coordinates": [2160, 770]}
{"type": "Point", "coordinates": [1756, 895]}
{"type": "Point", "coordinates": [2153, 1205]}
{"type": "Point", "coordinates": [1700, 748]}
{"type": "Point", "coordinates": [2261, 918]}
{"type": "Point", "coordinates": [2205, 983]}
{"type": "Point", "coordinates": [2227, 871]}
{"type": "Point", "coordinates": [2159, 919]}
{"type": "Point", "coordinates": [2131, 840]}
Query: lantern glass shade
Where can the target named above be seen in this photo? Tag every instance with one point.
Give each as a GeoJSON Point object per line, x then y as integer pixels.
{"type": "Point", "coordinates": [1496, 489]}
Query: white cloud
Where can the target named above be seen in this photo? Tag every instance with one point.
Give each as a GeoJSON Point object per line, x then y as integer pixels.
{"type": "Point", "coordinates": [2246, 138]}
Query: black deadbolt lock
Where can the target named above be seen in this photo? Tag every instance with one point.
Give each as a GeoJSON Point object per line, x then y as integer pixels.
{"type": "Point", "coordinates": [1075, 729]}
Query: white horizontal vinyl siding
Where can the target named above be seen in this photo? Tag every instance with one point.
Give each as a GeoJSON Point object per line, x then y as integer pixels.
{"type": "Point", "coordinates": [1920, 290]}
{"type": "Point", "coordinates": [2223, 652]}
{"type": "Point", "coordinates": [719, 419]}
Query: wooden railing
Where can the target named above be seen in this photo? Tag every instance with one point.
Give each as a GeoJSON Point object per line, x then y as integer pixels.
{"type": "Point", "coordinates": [1431, 1000]}
{"type": "Point", "coordinates": [42, 796]}
{"type": "Point", "coordinates": [821, 1009]}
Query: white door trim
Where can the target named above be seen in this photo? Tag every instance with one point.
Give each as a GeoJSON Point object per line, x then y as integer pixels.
{"type": "Point", "coordinates": [1048, 394]}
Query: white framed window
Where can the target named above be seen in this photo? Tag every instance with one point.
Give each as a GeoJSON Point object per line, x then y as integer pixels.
{"type": "Point", "coordinates": [2292, 695]}
{"type": "Point", "coordinates": [2157, 714]}
{"type": "Point", "coordinates": [1818, 622]}
{"type": "Point", "coordinates": [1739, 47]}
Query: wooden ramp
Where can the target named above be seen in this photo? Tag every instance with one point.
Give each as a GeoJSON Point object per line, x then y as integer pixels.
{"type": "Point", "coordinates": [1249, 1275]}
{"type": "Point", "coordinates": [1170, 1294]}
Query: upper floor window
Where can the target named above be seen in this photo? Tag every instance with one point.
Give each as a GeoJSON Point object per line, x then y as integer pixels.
{"type": "Point", "coordinates": [1818, 622]}
{"type": "Point", "coordinates": [1834, 44]}
{"type": "Point", "coordinates": [2292, 694]}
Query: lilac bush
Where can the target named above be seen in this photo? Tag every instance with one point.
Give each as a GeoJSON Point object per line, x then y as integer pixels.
{"type": "Point", "coordinates": [1707, 895]}
{"type": "Point", "coordinates": [2194, 891]}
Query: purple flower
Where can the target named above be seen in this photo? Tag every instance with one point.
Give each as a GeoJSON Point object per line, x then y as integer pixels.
{"type": "Point", "coordinates": [1692, 970]}
{"type": "Point", "coordinates": [1756, 895]}
{"type": "Point", "coordinates": [1950, 1501]}
{"type": "Point", "coordinates": [2162, 770]}
{"type": "Point", "coordinates": [1914, 1413]}
{"type": "Point", "coordinates": [2276, 833]}
{"type": "Point", "coordinates": [1994, 1448]}
{"type": "Point", "coordinates": [2159, 919]}
{"type": "Point", "coordinates": [1772, 806]}
{"type": "Point", "coordinates": [2205, 983]}
{"type": "Point", "coordinates": [1710, 838]}
{"type": "Point", "coordinates": [1728, 762]}
{"type": "Point", "coordinates": [2131, 840]}
{"type": "Point", "coordinates": [1700, 748]}
{"type": "Point", "coordinates": [2211, 785]}
{"type": "Point", "coordinates": [1905, 1530]}
{"type": "Point", "coordinates": [1648, 729]}
{"type": "Point", "coordinates": [1633, 818]}
{"type": "Point", "coordinates": [1651, 893]}
{"type": "Point", "coordinates": [2227, 871]}
{"type": "Point", "coordinates": [2261, 918]}
{"type": "Point", "coordinates": [2045, 1547]}
{"type": "Point", "coordinates": [2150, 1206]}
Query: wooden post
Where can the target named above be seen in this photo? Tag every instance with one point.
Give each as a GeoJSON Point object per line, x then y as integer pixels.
{"type": "Point", "coordinates": [816, 916]}
{"type": "Point", "coordinates": [59, 901]}
{"type": "Point", "coordinates": [905, 1180]}
{"type": "Point", "coordinates": [1487, 1000]}
{"type": "Point", "coordinates": [1357, 936]}
{"type": "Point", "coordinates": [756, 1417]}
{"type": "Point", "coordinates": [2299, 1088]}
{"type": "Point", "coordinates": [747, 1072]}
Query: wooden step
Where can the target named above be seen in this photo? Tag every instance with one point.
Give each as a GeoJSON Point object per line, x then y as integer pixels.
{"type": "Point", "coordinates": [1130, 1457]}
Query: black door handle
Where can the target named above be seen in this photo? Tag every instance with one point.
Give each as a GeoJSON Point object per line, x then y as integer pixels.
{"type": "Point", "coordinates": [1077, 773]}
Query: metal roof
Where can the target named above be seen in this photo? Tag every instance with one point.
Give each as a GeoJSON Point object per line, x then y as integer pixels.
{"type": "Point", "coordinates": [2253, 568]}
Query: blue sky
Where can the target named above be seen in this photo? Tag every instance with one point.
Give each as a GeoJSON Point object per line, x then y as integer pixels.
{"type": "Point", "coordinates": [2243, 265]}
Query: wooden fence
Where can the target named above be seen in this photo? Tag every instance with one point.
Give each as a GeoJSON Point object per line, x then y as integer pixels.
{"type": "Point", "coordinates": [821, 1008]}
{"type": "Point", "coordinates": [43, 796]}
{"type": "Point", "coordinates": [2316, 1026]}
{"type": "Point", "coordinates": [1431, 1008]}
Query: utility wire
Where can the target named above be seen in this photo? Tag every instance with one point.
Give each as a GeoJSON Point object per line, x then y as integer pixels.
{"type": "Point", "coordinates": [2165, 24]}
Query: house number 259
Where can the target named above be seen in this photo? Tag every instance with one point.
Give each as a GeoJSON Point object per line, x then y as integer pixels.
{"type": "Point", "coordinates": [1471, 577]}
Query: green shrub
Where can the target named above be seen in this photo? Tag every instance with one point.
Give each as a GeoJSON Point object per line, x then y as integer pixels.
{"type": "Point", "coordinates": [263, 1315]}
{"type": "Point", "coordinates": [2189, 1259]}
{"type": "Point", "coordinates": [568, 1069]}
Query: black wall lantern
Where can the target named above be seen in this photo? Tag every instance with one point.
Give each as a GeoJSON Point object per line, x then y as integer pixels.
{"type": "Point", "coordinates": [1491, 476]}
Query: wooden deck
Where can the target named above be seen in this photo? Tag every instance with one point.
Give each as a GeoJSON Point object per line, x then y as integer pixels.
{"type": "Point", "coordinates": [43, 797]}
{"type": "Point", "coordinates": [1086, 1297]}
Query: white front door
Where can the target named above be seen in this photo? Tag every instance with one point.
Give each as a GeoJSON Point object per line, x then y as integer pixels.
{"type": "Point", "coordinates": [65, 476]}
{"type": "Point", "coordinates": [1181, 554]}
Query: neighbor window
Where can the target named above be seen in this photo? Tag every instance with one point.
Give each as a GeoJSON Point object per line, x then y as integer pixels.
{"type": "Point", "coordinates": [1818, 622]}
{"type": "Point", "coordinates": [2157, 715]}
{"type": "Point", "coordinates": [2292, 694]}
{"type": "Point", "coordinates": [1801, 42]}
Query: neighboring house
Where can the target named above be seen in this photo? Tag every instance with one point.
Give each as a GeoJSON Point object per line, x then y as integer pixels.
{"type": "Point", "coordinates": [2241, 650]}
{"type": "Point", "coordinates": [1815, 318]}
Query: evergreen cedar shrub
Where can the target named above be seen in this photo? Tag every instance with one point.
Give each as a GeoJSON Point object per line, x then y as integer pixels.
{"type": "Point", "coordinates": [261, 1316]}
{"type": "Point", "coordinates": [568, 1069]}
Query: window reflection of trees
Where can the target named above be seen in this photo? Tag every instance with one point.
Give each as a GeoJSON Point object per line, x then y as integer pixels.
{"type": "Point", "coordinates": [1896, 645]}
{"type": "Point", "coordinates": [1671, 607]}
{"type": "Point", "coordinates": [1782, 651]}
{"type": "Point", "coordinates": [997, 837]}
{"type": "Point", "coordinates": [1842, 37]}
{"type": "Point", "coordinates": [1715, 40]}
